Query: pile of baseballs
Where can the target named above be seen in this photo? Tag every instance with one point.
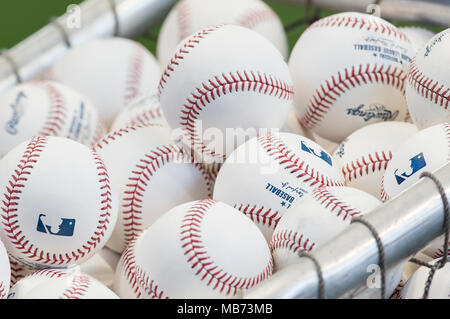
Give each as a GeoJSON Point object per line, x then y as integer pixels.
{"type": "Point", "coordinates": [201, 172]}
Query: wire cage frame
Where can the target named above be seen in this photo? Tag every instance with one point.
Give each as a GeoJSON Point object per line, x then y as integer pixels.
{"type": "Point", "coordinates": [388, 236]}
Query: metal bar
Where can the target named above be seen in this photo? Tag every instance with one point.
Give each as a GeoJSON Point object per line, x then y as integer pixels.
{"type": "Point", "coordinates": [97, 19]}
{"type": "Point", "coordinates": [406, 224]}
{"type": "Point", "coordinates": [433, 13]}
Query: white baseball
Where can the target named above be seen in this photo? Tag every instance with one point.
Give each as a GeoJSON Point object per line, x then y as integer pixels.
{"type": "Point", "coordinates": [364, 155]}
{"type": "Point", "coordinates": [439, 288]}
{"type": "Point", "coordinates": [189, 16]}
{"type": "Point", "coordinates": [58, 207]}
{"type": "Point", "coordinates": [316, 218]}
{"type": "Point", "coordinates": [426, 150]}
{"type": "Point", "coordinates": [142, 110]}
{"type": "Point", "coordinates": [201, 249]}
{"type": "Point", "coordinates": [125, 281]}
{"type": "Point", "coordinates": [435, 248]}
{"type": "Point", "coordinates": [292, 125]}
{"type": "Point", "coordinates": [349, 70]}
{"type": "Point", "coordinates": [225, 77]}
{"type": "Point", "coordinates": [418, 36]}
{"type": "Point", "coordinates": [151, 175]}
{"type": "Point", "coordinates": [88, 67]}
{"type": "Point", "coordinates": [5, 272]}
{"type": "Point", "coordinates": [101, 266]}
{"type": "Point", "coordinates": [264, 177]}
{"type": "Point", "coordinates": [428, 83]}
{"type": "Point", "coordinates": [60, 284]}
{"type": "Point", "coordinates": [50, 109]}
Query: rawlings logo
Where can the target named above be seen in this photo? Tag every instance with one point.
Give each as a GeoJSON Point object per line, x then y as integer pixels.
{"type": "Point", "coordinates": [323, 155]}
{"type": "Point", "coordinates": [416, 164]}
{"type": "Point", "coordinates": [437, 39]}
{"type": "Point", "coordinates": [376, 111]}
{"type": "Point", "coordinates": [18, 110]}
{"type": "Point", "coordinates": [66, 227]}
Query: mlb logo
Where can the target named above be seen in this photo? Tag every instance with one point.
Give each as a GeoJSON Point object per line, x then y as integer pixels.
{"type": "Point", "coordinates": [65, 228]}
{"type": "Point", "coordinates": [323, 155]}
{"type": "Point", "coordinates": [416, 163]}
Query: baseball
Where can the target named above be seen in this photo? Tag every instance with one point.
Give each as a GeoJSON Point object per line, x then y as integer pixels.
{"type": "Point", "coordinates": [264, 177]}
{"type": "Point", "coordinates": [18, 270]}
{"type": "Point", "coordinates": [246, 86]}
{"type": "Point", "coordinates": [418, 36]}
{"type": "Point", "coordinates": [196, 257]}
{"type": "Point", "coordinates": [426, 150]}
{"type": "Point", "coordinates": [349, 71]}
{"type": "Point", "coordinates": [316, 218]}
{"type": "Point", "coordinates": [364, 155]}
{"type": "Point", "coordinates": [428, 83]}
{"type": "Point", "coordinates": [190, 16]}
{"type": "Point", "coordinates": [5, 272]}
{"type": "Point", "coordinates": [142, 110]}
{"type": "Point", "coordinates": [151, 175]}
{"type": "Point", "coordinates": [58, 206]}
{"type": "Point", "coordinates": [125, 282]}
{"type": "Point", "coordinates": [439, 288]}
{"type": "Point", "coordinates": [87, 68]}
{"type": "Point", "coordinates": [60, 284]}
{"type": "Point", "coordinates": [49, 109]}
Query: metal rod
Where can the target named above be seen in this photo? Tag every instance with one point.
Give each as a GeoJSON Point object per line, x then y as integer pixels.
{"type": "Point", "coordinates": [98, 18]}
{"type": "Point", "coordinates": [405, 224]}
{"type": "Point", "coordinates": [433, 13]}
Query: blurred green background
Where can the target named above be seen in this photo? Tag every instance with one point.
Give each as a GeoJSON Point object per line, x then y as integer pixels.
{"type": "Point", "coordinates": [20, 18]}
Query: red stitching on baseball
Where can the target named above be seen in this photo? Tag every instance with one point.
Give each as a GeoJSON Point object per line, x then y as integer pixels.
{"type": "Point", "coordinates": [129, 268]}
{"type": "Point", "coordinates": [253, 17]}
{"type": "Point", "coordinates": [10, 203]}
{"type": "Point", "coordinates": [430, 89]}
{"type": "Point", "coordinates": [291, 240]}
{"type": "Point", "coordinates": [50, 273]}
{"type": "Point", "coordinates": [2, 290]}
{"type": "Point", "coordinates": [447, 132]}
{"type": "Point", "coordinates": [290, 161]}
{"type": "Point", "coordinates": [139, 181]}
{"type": "Point", "coordinates": [189, 44]}
{"type": "Point", "coordinates": [57, 112]}
{"type": "Point", "coordinates": [147, 116]}
{"type": "Point", "coordinates": [330, 201]}
{"type": "Point", "coordinates": [260, 215]}
{"type": "Point", "coordinates": [384, 196]}
{"type": "Point", "coordinates": [148, 285]}
{"type": "Point", "coordinates": [78, 288]}
{"type": "Point", "coordinates": [201, 263]}
{"type": "Point", "coordinates": [361, 23]}
{"type": "Point", "coordinates": [440, 252]}
{"type": "Point", "coordinates": [119, 133]}
{"type": "Point", "coordinates": [377, 161]}
{"type": "Point", "coordinates": [17, 271]}
{"type": "Point", "coordinates": [183, 18]}
{"type": "Point", "coordinates": [329, 91]}
{"type": "Point", "coordinates": [134, 76]}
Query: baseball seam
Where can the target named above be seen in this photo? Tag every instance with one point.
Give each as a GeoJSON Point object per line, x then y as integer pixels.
{"type": "Point", "coordinates": [78, 288]}
{"type": "Point", "coordinates": [290, 240]}
{"type": "Point", "coordinates": [139, 181]}
{"type": "Point", "coordinates": [376, 161]}
{"type": "Point", "coordinates": [359, 23]}
{"type": "Point", "coordinates": [117, 134]}
{"type": "Point", "coordinates": [148, 285]}
{"type": "Point", "coordinates": [329, 91]}
{"type": "Point", "coordinates": [290, 161]}
{"type": "Point", "coordinates": [183, 18]}
{"type": "Point", "coordinates": [146, 116]}
{"type": "Point", "coordinates": [202, 264]}
{"type": "Point", "coordinates": [2, 290]}
{"type": "Point", "coordinates": [57, 112]}
{"type": "Point", "coordinates": [428, 88]}
{"type": "Point", "coordinates": [189, 44]}
{"type": "Point", "coordinates": [134, 76]}
{"type": "Point", "coordinates": [254, 16]}
{"type": "Point", "coordinates": [260, 215]}
{"type": "Point", "coordinates": [128, 268]}
{"type": "Point", "coordinates": [11, 199]}
{"type": "Point", "coordinates": [384, 196]}
{"type": "Point", "coordinates": [330, 201]}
